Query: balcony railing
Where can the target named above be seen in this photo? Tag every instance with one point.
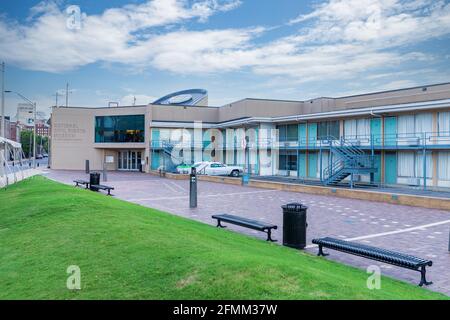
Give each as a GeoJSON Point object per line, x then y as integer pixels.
{"type": "Point", "coordinates": [388, 141]}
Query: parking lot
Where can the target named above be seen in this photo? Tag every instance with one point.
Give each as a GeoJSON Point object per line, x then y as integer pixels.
{"type": "Point", "coordinates": [416, 231]}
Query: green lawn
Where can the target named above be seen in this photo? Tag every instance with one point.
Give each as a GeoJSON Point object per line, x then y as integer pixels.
{"type": "Point", "coordinates": [126, 251]}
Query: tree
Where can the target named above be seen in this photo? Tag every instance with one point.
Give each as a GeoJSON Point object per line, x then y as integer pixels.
{"type": "Point", "coordinates": [26, 139]}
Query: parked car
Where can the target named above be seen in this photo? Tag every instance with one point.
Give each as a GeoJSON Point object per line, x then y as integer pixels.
{"type": "Point", "coordinates": [39, 156]}
{"type": "Point", "coordinates": [45, 155]}
{"type": "Point", "coordinates": [220, 169]}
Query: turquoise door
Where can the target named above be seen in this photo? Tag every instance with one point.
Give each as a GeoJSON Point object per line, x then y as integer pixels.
{"type": "Point", "coordinates": [390, 131]}
{"type": "Point", "coordinates": [377, 163]}
{"type": "Point", "coordinates": [155, 160]}
{"type": "Point", "coordinates": [302, 134]}
{"type": "Point", "coordinates": [375, 130]}
{"type": "Point", "coordinates": [155, 137]}
{"type": "Point", "coordinates": [312, 134]}
{"type": "Point", "coordinates": [312, 165]}
{"type": "Point", "coordinates": [390, 168]}
{"type": "Point", "coordinates": [302, 165]}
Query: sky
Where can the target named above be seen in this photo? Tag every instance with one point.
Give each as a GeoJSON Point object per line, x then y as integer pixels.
{"type": "Point", "coordinates": [113, 51]}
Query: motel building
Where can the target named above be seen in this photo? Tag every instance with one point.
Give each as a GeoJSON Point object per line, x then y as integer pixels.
{"type": "Point", "coordinates": [390, 138]}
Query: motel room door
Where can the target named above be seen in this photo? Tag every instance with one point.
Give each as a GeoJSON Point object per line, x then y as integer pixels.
{"type": "Point", "coordinates": [129, 160]}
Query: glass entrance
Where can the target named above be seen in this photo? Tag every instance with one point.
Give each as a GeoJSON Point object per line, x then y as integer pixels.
{"type": "Point", "coordinates": [129, 160]}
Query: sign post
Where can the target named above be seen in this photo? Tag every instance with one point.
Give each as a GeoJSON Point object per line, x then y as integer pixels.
{"type": "Point", "coordinates": [193, 188]}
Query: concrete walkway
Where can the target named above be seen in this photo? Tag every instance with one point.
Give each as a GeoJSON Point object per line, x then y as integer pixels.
{"type": "Point", "coordinates": [412, 230]}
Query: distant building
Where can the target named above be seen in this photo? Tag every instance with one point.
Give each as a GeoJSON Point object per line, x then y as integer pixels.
{"type": "Point", "coordinates": [42, 128]}
{"type": "Point", "coordinates": [7, 127]}
{"type": "Point", "coordinates": [15, 131]}
{"type": "Point", "coordinates": [25, 114]}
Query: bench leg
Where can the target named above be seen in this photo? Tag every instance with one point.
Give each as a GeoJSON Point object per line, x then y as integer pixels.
{"type": "Point", "coordinates": [109, 192]}
{"type": "Point", "coordinates": [321, 253]}
{"type": "Point", "coordinates": [269, 236]}
{"type": "Point", "coordinates": [219, 225]}
{"type": "Point", "coordinates": [423, 279]}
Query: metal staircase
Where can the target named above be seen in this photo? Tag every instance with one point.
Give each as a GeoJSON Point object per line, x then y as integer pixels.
{"type": "Point", "coordinates": [350, 160]}
{"type": "Point", "coordinates": [169, 165]}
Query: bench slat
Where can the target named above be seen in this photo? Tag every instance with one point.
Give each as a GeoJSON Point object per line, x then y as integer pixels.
{"type": "Point", "coordinates": [365, 250]}
{"type": "Point", "coordinates": [244, 221]}
{"type": "Point", "coordinates": [378, 254]}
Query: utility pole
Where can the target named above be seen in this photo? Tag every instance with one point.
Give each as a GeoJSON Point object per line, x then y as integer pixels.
{"type": "Point", "coordinates": [67, 94]}
{"type": "Point", "coordinates": [34, 136]}
{"type": "Point", "coordinates": [3, 124]}
{"type": "Point", "coordinates": [57, 96]}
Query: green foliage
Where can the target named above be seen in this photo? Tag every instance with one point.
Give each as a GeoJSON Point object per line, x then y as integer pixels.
{"type": "Point", "coordinates": [26, 139]}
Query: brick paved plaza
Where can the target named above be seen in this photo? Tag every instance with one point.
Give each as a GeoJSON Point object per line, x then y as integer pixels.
{"type": "Point", "coordinates": [416, 231]}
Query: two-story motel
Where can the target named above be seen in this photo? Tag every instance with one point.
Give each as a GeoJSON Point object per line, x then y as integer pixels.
{"type": "Point", "coordinates": [406, 134]}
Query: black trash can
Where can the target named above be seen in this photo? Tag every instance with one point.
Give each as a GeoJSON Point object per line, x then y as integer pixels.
{"type": "Point", "coordinates": [94, 179]}
{"type": "Point", "coordinates": [294, 225]}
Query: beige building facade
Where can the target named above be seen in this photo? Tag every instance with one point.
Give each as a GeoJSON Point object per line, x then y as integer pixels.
{"type": "Point", "coordinates": [405, 132]}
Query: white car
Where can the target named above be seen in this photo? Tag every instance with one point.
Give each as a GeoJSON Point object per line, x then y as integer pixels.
{"type": "Point", "coordinates": [220, 169]}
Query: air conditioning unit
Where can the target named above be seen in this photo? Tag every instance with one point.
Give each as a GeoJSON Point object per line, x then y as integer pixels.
{"type": "Point", "coordinates": [357, 178]}
{"type": "Point", "coordinates": [412, 141]}
{"type": "Point", "coordinates": [356, 143]}
{"type": "Point", "coordinates": [413, 182]}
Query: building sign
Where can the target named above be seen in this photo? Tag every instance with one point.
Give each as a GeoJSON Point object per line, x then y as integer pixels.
{"type": "Point", "coordinates": [109, 159]}
{"type": "Point", "coordinates": [68, 132]}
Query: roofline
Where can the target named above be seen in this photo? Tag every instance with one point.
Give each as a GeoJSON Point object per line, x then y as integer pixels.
{"type": "Point", "coordinates": [263, 99]}
{"type": "Point", "coordinates": [387, 91]}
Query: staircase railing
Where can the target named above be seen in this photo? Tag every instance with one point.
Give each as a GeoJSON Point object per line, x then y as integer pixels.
{"type": "Point", "coordinates": [349, 156]}
{"type": "Point", "coordinates": [333, 169]}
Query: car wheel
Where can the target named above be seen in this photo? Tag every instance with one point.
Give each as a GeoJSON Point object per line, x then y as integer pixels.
{"type": "Point", "coordinates": [235, 173]}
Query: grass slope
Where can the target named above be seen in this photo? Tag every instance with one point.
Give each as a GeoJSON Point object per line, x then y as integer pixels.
{"type": "Point", "coordinates": [126, 251]}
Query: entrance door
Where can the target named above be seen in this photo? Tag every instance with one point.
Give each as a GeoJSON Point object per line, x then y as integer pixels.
{"type": "Point", "coordinates": [390, 171]}
{"type": "Point", "coordinates": [129, 160]}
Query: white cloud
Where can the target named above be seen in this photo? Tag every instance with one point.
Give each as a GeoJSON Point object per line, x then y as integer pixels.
{"type": "Point", "coordinates": [46, 44]}
{"type": "Point", "coordinates": [339, 39]}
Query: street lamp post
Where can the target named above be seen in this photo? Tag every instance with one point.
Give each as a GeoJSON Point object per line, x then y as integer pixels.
{"type": "Point", "coordinates": [3, 124]}
{"type": "Point", "coordinates": [34, 122]}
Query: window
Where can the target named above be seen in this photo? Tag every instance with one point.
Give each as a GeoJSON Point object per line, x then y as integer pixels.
{"type": "Point", "coordinates": [406, 164]}
{"type": "Point", "coordinates": [411, 124]}
{"type": "Point", "coordinates": [328, 129]}
{"type": "Point", "coordinates": [287, 160]}
{"type": "Point", "coordinates": [423, 123]}
{"type": "Point", "coordinates": [405, 124]}
{"type": "Point", "coordinates": [444, 123]}
{"type": "Point", "coordinates": [359, 128]}
{"type": "Point", "coordinates": [444, 166]}
{"type": "Point", "coordinates": [116, 129]}
{"type": "Point", "coordinates": [288, 132]}
{"type": "Point", "coordinates": [410, 165]}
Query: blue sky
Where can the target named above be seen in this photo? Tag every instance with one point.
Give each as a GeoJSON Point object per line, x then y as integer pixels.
{"type": "Point", "coordinates": [280, 49]}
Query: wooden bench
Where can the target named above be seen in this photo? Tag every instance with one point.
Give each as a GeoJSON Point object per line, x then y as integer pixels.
{"type": "Point", "coordinates": [97, 187]}
{"type": "Point", "coordinates": [247, 223]}
{"type": "Point", "coordinates": [378, 254]}
{"type": "Point", "coordinates": [82, 182]}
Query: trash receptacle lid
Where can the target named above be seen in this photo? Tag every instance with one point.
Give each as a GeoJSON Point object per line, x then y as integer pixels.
{"type": "Point", "coordinates": [296, 206]}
